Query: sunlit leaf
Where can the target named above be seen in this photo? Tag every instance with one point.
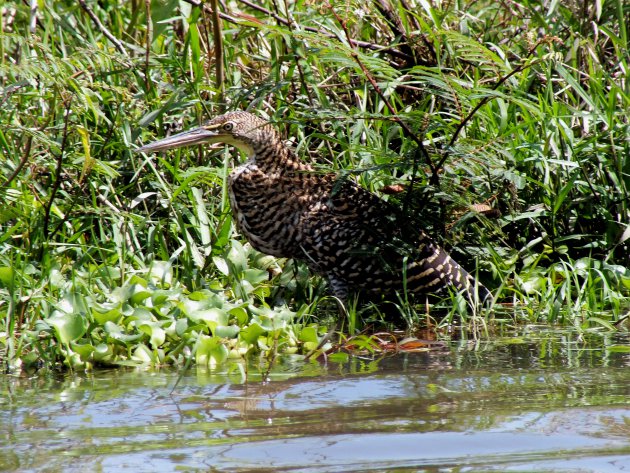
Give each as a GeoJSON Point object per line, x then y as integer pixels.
{"type": "Point", "coordinates": [227, 331]}
{"type": "Point", "coordinates": [156, 333]}
{"type": "Point", "coordinates": [143, 354]}
{"type": "Point", "coordinates": [102, 315]}
{"type": "Point", "coordinates": [84, 350]}
{"type": "Point", "coordinates": [309, 334]}
{"type": "Point", "coordinates": [339, 357]}
{"type": "Point", "coordinates": [6, 277]}
{"type": "Point", "coordinates": [251, 333]}
{"type": "Point", "coordinates": [68, 326]}
{"type": "Point", "coordinates": [210, 351]}
{"type": "Point", "coordinates": [241, 315]}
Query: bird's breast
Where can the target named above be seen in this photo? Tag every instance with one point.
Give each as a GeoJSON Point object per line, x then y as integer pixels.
{"type": "Point", "coordinates": [268, 208]}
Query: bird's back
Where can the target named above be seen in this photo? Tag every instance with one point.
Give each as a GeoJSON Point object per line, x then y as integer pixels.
{"type": "Point", "coordinates": [358, 241]}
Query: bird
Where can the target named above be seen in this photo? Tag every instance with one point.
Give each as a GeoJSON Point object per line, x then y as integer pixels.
{"type": "Point", "coordinates": [286, 208]}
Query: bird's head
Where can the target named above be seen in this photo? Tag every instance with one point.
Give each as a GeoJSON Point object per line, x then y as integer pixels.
{"type": "Point", "coordinates": [241, 129]}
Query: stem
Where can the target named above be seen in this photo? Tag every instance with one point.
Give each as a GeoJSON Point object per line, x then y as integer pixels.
{"type": "Point", "coordinates": [58, 172]}
{"type": "Point", "coordinates": [434, 178]}
{"type": "Point", "coordinates": [27, 153]}
{"type": "Point", "coordinates": [218, 53]}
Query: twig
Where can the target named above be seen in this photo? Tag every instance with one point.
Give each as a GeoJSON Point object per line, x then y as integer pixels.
{"type": "Point", "coordinates": [218, 52]}
{"type": "Point", "coordinates": [353, 42]}
{"type": "Point", "coordinates": [32, 25]}
{"type": "Point", "coordinates": [147, 49]}
{"type": "Point", "coordinates": [27, 153]}
{"type": "Point", "coordinates": [57, 183]}
{"type": "Point", "coordinates": [407, 131]}
{"type": "Point", "coordinates": [481, 103]}
{"type": "Point", "coordinates": [101, 27]}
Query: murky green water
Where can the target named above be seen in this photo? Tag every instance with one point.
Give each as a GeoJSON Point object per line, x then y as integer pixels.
{"type": "Point", "coordinates": [549, 403]}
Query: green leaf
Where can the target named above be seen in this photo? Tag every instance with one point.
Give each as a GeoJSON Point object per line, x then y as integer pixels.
{"type": "Point", "coordinates": [212, 317]}
{"type": "Point", "coordinates": [562, 195]}
{"type": "Point", "coordinates": [84, 350]}
{"type": "Point", "coordinates": [68, 327]}
{"type": "Point", "coordinates": [160, 296]}
{"type": "Point", "coordinates": [103, 316]}
{"type": "Point", "coordinates": [241, 315]}
{"type": "Point", "coordinates": [203, 221]}
{"type": "Point", "coordinates": [227, 331]}
{"type": "Point", "coordinates": [339, 357]}
{"type": "Point", "coordinates": [252, 333]}
{"type": "Point", "coordinates": [102, 352]}
{"type": "Point", "coordinates": [7, 276]}
{"type": "Point", "coordinates": [138, 294]}
{"type": "Point", "coordinates": [156, 333]}
{"type": "Point", "coordinates": [618, 348]}
{"type": "Point", "coordinates": [309, 334]}
{"type": "Point", "coordinates": [221, 265]}
{"type": "Point", "coordinates": [210, 351]}
{"type": "Point", "coordinates": [143, 354]}
{"type": "Point", "coordinates": [237, 257]}
{"type": "Point", "coordinates": [255, 276]}
{"type": "Point", "coordinates": [116, 333]}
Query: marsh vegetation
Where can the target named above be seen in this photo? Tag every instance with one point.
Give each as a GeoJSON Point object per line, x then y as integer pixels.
{"type": "Point", "coordinates": [502, 126]}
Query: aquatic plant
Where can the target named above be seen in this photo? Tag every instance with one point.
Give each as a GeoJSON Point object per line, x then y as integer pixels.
{"type": "Point", "coordinates": [504, 129]}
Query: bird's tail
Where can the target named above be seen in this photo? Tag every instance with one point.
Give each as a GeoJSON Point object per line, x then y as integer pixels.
{"type": "Point", "coordinates": [436, 270]}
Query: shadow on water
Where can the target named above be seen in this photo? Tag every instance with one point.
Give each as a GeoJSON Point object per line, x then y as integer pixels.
{"type": "Point", "coordinates": [547, 402]}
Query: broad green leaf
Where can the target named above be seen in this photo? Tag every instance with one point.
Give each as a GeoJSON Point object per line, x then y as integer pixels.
{"type": "Point", "coordinates": [339, 357]}
{"type": "Point", "coordinates": [156, 333]}
{"type": "Point", "coordinates": [103, 352]}
{"type": "Point", "coordinates": [255, 276]}
{"type": "Point", "coordinates": [210, 351]}
{"type": "Point", "coordinates": [241, 315]}
{"type": "Point", "coordinates": [227, 331]}
{"type": "Point", "coordinates": [102, 315]}
{"type": "Point", "coordinates": [6, 277]}
{"type": "Point", "coordinates": [309, 334]}
{"type": "Point", "coordinates": [221, 265]}
{"type": "Point", "coordinates": [251, 333]}
{"type": "Point", "coordinates": [138, 294]}
{"type": "Point", "coordinates": [84, 350]}
{"type": "Point", "coordinates": [143, 354]}
{"type": "Point", "coordinates": [212, 317]}
{"type": "Point", "coordinates": [68, 327]}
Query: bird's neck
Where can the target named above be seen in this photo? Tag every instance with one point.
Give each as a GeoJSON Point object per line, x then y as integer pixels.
{"type": "Point", "coordinates": [274, 157]}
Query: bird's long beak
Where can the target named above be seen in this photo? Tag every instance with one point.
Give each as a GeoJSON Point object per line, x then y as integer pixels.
{"type": "Point", "coordinates": [186, 138]}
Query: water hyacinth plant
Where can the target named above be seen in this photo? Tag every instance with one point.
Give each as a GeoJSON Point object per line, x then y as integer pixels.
{"type": "Point", "coordinates": [503, 128]}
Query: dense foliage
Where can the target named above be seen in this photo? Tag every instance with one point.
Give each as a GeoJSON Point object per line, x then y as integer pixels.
{"type": "Point", "coordinates": [503, 126]}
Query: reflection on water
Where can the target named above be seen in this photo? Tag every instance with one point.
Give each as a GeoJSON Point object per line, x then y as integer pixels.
{"type": "Point", "coordinates": [546, 402]}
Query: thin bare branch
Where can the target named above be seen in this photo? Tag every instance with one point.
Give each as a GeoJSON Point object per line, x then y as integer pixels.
{"type": "Point", "coordinates": [23, 161]}
{"type": "Point", "coordinates": [218, 52]}
{"type": "Point", "coordinates": [58, 171]}
{"type": "Point", "coordinates": [102, 28]}
{"type": "Point", "coordinates": [147, 49]}
{"type": "Point", "coordinates": [406, 129]}
{"type": "Point", "coordinates": [483, 102]}
{"type": "Point", "coordinates": [353, 42]}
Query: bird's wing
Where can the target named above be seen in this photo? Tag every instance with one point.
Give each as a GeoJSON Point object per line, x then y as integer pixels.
{"type": "Point", "coordinates": [362, 243]}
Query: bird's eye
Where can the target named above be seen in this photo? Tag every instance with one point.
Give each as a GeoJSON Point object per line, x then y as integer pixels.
{"type": "Point", "coordinates": [229, 126]}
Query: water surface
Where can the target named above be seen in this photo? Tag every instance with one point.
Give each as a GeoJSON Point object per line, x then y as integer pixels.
{"type": "Point", "coordinates": [546, 402]}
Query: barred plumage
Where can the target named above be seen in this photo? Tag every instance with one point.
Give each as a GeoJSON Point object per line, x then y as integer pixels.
{"type": "Point", "coordinates": [286, 208]}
